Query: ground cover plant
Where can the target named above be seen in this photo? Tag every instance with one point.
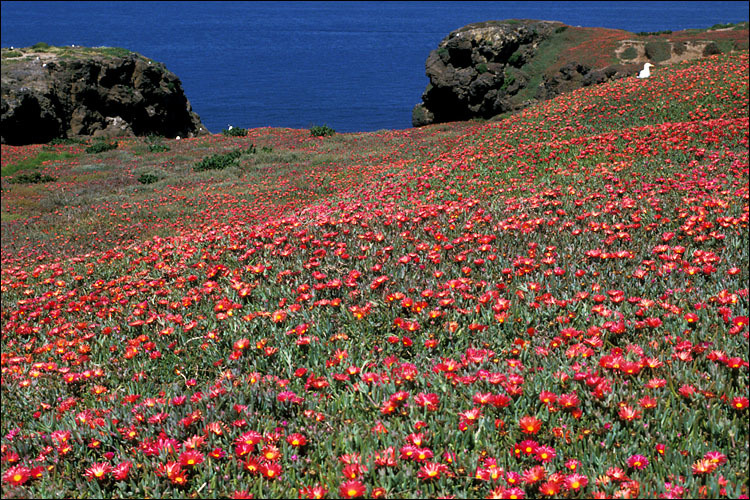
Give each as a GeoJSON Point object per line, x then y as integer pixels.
{"type": "Point", "coordinates": [554, 305]}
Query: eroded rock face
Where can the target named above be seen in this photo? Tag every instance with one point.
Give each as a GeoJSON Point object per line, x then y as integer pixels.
{"type": "Point", "coordinates": [46, 97]}
{"type": "Point", "coordinates": [474, 72]}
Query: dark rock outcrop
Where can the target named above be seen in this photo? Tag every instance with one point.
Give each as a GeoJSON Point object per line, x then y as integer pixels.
{"type": "Point", "coordinates": [55, 94]}
{"type": "Point", "coordinates": [475, 71]}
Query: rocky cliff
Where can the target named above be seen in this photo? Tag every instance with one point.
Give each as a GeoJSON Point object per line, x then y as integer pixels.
{"type": "Point", "coordinates": [57, 92]}
{"type": "Point", "coordinates": [486, 69]}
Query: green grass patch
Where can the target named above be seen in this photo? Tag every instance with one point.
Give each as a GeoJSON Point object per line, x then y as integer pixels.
{"type": "Point", "coordinates": [546, 54]}
{"type": "Point", "coordinates": [35, 177]}
{"type": "Point", "coordinates": [101, 146]}
{"type": "Point", "coordinates": [69, 52]}
{"type": "Point", "coordinates": [35, 162]}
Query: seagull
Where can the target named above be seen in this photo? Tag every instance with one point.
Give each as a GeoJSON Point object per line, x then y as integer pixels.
{"type": "Point", "coordinates": [645, 72]}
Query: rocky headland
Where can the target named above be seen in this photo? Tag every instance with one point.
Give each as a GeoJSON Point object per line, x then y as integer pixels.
{"type": "Point", "coordinates": [488, 69]}
{"type": "Point", "coordinates": [67, 92]}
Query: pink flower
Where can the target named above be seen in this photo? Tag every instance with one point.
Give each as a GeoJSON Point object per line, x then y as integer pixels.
{"type": "Point", "coordinates": [637, 462]}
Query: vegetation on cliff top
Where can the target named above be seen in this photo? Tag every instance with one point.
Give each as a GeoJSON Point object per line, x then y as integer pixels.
{"type": "Point", "coordinates": [46, 51]}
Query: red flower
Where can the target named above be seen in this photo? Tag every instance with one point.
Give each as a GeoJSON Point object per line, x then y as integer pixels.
{"type": "Point", "coordinates": [352, 489]}
{"type": "Point", "coordinates": [191, 458]}
{"type": "Point", "coordinates": [529, 424]}
{"type": "Point", "coordinates": [638, 462]}
{"type": "Point", "coordinates": [271, 452]}
{"type": "Point", "coordinates": [703, 466]}
{"type": "Point", "coordinates": [716, 457]}
{"type": "Point", "coordinates": [575, 482]}
{"type": "Point", "coordinates": [17, 475]}
{"type": "Point", "coordinates": [296, 439]}
{"type": "Point", "coordinates": [98, 471]}
{"type": "Point", "coordinates": [431, 470]}
{"type": "Point", "coordinates": [545, 453]}
{"type": "Point", "coordinates": [120, 472]}
{"type": "Point", "coordinates": [270, 470]}
{"type": "Point", "coordinates": [628, 413]}
{"type": "Point", "coordinates": [314, 492]}
{"type": "Point", "coordinates": [429, 401]}
{"type": "Point", "coordinates": [549, 489]}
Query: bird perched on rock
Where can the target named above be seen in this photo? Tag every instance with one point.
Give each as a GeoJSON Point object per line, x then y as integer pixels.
{"type": "Point", "coordinates": [645, 72]}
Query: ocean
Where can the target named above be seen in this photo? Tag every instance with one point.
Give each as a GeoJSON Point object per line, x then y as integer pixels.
{"type": "Point", "coordinates": [353, 66]}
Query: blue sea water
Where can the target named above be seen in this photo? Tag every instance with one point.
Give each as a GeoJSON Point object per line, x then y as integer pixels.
{"type": "Point", "coordinates": [354, 66]}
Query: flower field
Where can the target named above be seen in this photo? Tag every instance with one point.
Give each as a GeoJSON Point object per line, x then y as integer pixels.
{"type": "Point", "coordinates": [553, 305]}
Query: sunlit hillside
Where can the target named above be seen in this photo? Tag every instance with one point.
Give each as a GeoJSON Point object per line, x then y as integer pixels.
{"type": "Point", "coordinates": [553, 305]}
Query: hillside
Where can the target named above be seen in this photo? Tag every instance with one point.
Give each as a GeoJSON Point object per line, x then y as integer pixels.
{"type": "Point", "coordinates": [551, 305]}
{"type": "Point", "coordinates": [492, 68]}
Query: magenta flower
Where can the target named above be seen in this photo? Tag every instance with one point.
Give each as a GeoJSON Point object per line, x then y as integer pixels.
{"type": "Point", "coordinates": [637, 462]}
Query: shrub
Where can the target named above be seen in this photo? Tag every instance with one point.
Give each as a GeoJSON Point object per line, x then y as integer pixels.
{"type": "Point", "coordinates": [629, 53]}
{"type": "Point", "coordinates": [234, 132]}
{"type": "Point", "coordinates": [658, 51]}
{"type": "Point", "coordinates": [508, 80]}
{"type": "Point", "coordinates": [40, 46]}
{"type": "Point", "coordinates": [65, 141]}
{"type": "Point", "coordinates": [219, 161]}
{"type": "Point", "coordinates": [101, 146]}
{"type": "Point", "coordinates": [12, 53]}
{"type": "Point", "coordinates": [32, 178]}
{"type": "Point", "coordinates": [515, 59]}
{"type": "Point", "coordinates": [481, 68]}
{"type": "Point", "coordinates": [148, 178]}
{"type": "Point", "coordinates": [266, 149]}
{"type": "Point", "coordinates": [155, 145]}
{"type": "Point", "coordinates": [560, 29]}
{"type": "Point", "coordinates": [711, 49]}
{"type": "Point", "coordinates": [321, 131]}
{"type": "Point", "coordinates": [654, 33]}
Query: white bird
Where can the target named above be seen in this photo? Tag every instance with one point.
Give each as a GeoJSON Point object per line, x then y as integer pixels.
{"type": "Point", "coordinates": [645, 72]}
